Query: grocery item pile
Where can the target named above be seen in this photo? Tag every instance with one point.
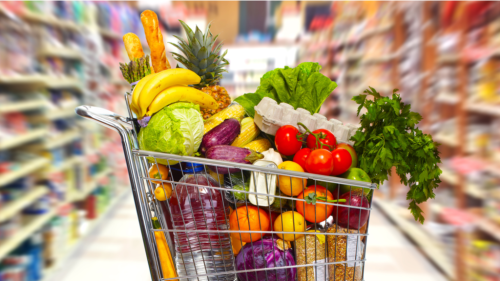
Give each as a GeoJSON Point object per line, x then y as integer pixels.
{"type": "Point", "coordinates": [265, 219]}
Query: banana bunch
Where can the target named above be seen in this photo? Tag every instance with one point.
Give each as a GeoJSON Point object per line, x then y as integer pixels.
{"type": "Point", "coordinates": [155, 91]}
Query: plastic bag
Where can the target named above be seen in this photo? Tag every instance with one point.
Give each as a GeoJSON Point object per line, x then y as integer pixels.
{"type": "Point", "coordinates": [234, 182]}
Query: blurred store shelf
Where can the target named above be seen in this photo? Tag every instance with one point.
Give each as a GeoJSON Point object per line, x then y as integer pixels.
{"type": "Point", "coordinates": [43, 80]}
{"type": "Point", "coordinates": [449, 176]}
{"type": "Point", "coordinates": [63, 83]}
{"type": "Point", "coordinates": [59, 113]}
{"type": "Point", "coordinates": [67, 164]}
{"type": "Point", "coordinates": [376, 30]}
{"type": "Point", "coordinates": [24, 169]}
{"type": "Point", "coordinates": [484, 108]}
{"type": "Point", "coordinates": [21, 106]}
{"type": "Point", "coordinates": [30, 226]}
{"type": "Point", "coordinates": [50, 20]}
{"type": "Point", "coordinates": [446, 138]}
{"type": "Point", "coordinates": [380, 59]}
{"type": "Point", "coordinates": [37, 79]}
{"type": "Point", "coordinates": [24, 138]}
{"type": "Point", "coordinates": [475, 190]}
{"type": "Point", "coordinates": [448, 98]}
{"type": "Point", "coordinates": [13, 208]}
{"type": "Point", "coordinates": [110, 34]}
{"type": "Point", "coordinates": [448, 58]}
{"type": "Point", "coordinates": [60, 52]}
{"type": "Point", "coordinates": [92, 185]}
{"type": "Point", "coordinates": [57, 140]}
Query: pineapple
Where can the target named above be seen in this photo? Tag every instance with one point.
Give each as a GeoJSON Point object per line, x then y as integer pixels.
{"type": "Point", "coordinates": [201, 57]}
{"type": "Point", "coordinates": [220, 95]}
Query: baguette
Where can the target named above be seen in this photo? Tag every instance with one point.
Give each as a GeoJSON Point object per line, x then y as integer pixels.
{"type": "Point", "coordinates": [155, 41]}
{"type": "Point", "coordinates": [133, 46]}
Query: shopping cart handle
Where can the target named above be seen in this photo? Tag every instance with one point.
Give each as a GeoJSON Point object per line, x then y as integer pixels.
{"type": "Point", "coordinates": [103, 116]}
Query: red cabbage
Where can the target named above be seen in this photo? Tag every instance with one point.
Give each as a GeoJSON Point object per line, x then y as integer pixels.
{"type": "Point", "coordinates": [266, 253]}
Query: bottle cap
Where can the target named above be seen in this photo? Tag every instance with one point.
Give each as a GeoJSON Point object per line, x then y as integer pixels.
{"type": "Point", "coordinates": [190, 168]}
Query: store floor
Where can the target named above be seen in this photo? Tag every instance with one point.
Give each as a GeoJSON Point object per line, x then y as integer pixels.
{"type": "Point", "coordinates": [115, 252]}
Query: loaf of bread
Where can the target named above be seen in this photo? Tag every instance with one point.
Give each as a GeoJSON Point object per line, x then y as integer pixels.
{"type": "Point", "coordinates": [133, 46]}
{"type": "Point", "coordinates": [154, 37]}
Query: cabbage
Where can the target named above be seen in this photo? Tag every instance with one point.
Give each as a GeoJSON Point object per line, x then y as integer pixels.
{"type": "Point", "coordinates": [176, 129]}
{"type": "Point", "coordinates": [268, 252]}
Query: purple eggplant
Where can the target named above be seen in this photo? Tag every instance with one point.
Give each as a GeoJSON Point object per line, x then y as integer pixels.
{"type": "Point", "coordinates": [224, 134]}
{"type": "Point", "coordinates": [231, 154]}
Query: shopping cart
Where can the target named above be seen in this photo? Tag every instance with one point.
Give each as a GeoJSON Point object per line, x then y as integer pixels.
{"type": "Point", "coordinates": [328, 250]}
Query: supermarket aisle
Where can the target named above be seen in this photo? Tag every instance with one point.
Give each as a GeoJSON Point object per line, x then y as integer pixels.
{"type": "Point", "coordinates": [391, 257]}
{"type": "Point", "coordinates": [115, 252]}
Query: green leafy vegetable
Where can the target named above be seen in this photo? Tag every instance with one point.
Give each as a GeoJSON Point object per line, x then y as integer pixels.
{"type": "Point", "coordinates": [176, 129]}
{"type": "Point", "coordinates": [388, 137]}
{"type": "Point", "coordinates": [302, 86]}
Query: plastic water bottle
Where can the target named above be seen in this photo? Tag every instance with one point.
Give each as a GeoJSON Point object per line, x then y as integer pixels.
{"type": "Point", "coordinates": [194, 207]}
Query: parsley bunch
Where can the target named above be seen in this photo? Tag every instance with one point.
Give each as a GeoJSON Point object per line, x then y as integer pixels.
{"type": "Point", "coordinates": [388, 137]}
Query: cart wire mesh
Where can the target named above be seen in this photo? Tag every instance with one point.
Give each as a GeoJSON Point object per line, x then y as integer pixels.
{"type": "Point", "coordinates": [206, 220]}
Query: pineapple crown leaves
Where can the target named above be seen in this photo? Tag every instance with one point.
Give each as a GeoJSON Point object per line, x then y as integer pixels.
{"type": "Point", "coordinates": [200, 56]}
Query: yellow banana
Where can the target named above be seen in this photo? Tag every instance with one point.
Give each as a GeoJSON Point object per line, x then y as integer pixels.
{"type": "Point", "coordinates": [136, 93]}
{"type": "Point", "coordinates": [133, 108]}
{"type": "Point", "coordinates": [161, 81]}
{"type": "Point", "coordinates": [181, 93]}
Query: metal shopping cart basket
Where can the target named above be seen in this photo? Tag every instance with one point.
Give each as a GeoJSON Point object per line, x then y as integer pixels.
{"type": "Point", "coordinates": [207, 219]}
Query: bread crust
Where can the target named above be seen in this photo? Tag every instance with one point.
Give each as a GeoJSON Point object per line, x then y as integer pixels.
{"type": "Point", "coordinates": [154, 37]}
{"type": "Point", "coordinates": [133, 46]}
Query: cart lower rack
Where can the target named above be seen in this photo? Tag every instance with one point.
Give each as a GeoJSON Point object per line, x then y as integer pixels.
{"type": "Point", "coordinates": [217, 227]}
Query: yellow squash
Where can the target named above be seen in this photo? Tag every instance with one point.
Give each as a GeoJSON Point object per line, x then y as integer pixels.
{"type": "Point", "coordinates": [166, 262]}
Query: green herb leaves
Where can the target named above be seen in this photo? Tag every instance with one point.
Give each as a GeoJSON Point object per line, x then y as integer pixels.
{"type": "Point", "coordinates": [388, 137]}
{"type": "Point", "coordinates": [303, 86]}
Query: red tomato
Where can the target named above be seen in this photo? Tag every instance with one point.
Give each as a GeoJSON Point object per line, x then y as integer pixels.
{"type": "Point", "coordinates": [320, 162]}
{"type": "Point", "coordinates": [341, 161]}
{"type": "Point", "coordinates": [326, 137]}
{"type": "Point", "coordinates": [301, 157]}
{"type": "Point", "coordinates": [286, 140]}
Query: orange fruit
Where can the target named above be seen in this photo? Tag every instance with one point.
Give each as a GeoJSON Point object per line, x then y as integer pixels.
{"type": "Point", "coordinates": [318, 212]}
{"type": "Point", "coordinates": [162, 195]}
{"type": "Point", "coordinates": [289, 185]}
{"type": "Point", "coordinates": [290, 221]}
{"type": "Point", "coordinates": [248, 218]}
{"type": "Point", "coordinates": [158, 172]}
{"type": "Point", "coordinates": [237, 245]}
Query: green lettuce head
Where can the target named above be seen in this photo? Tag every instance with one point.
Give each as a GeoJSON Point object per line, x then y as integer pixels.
{"type": "Point", "coordinates": [302, 86]}
{"type": "Point", "coordinates": [176, 129]}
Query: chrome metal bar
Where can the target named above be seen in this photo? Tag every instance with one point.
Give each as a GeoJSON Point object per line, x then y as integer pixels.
{"type": "Point", "coordinates": [254, 168]}
{"type": "Point", "coordinates": [117, 123]}
{"type": "Point", "coordinates": [267, 269]}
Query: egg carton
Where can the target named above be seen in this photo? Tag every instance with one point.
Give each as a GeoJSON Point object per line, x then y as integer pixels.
{"type": "Point", "coordinates": [270, 116]}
